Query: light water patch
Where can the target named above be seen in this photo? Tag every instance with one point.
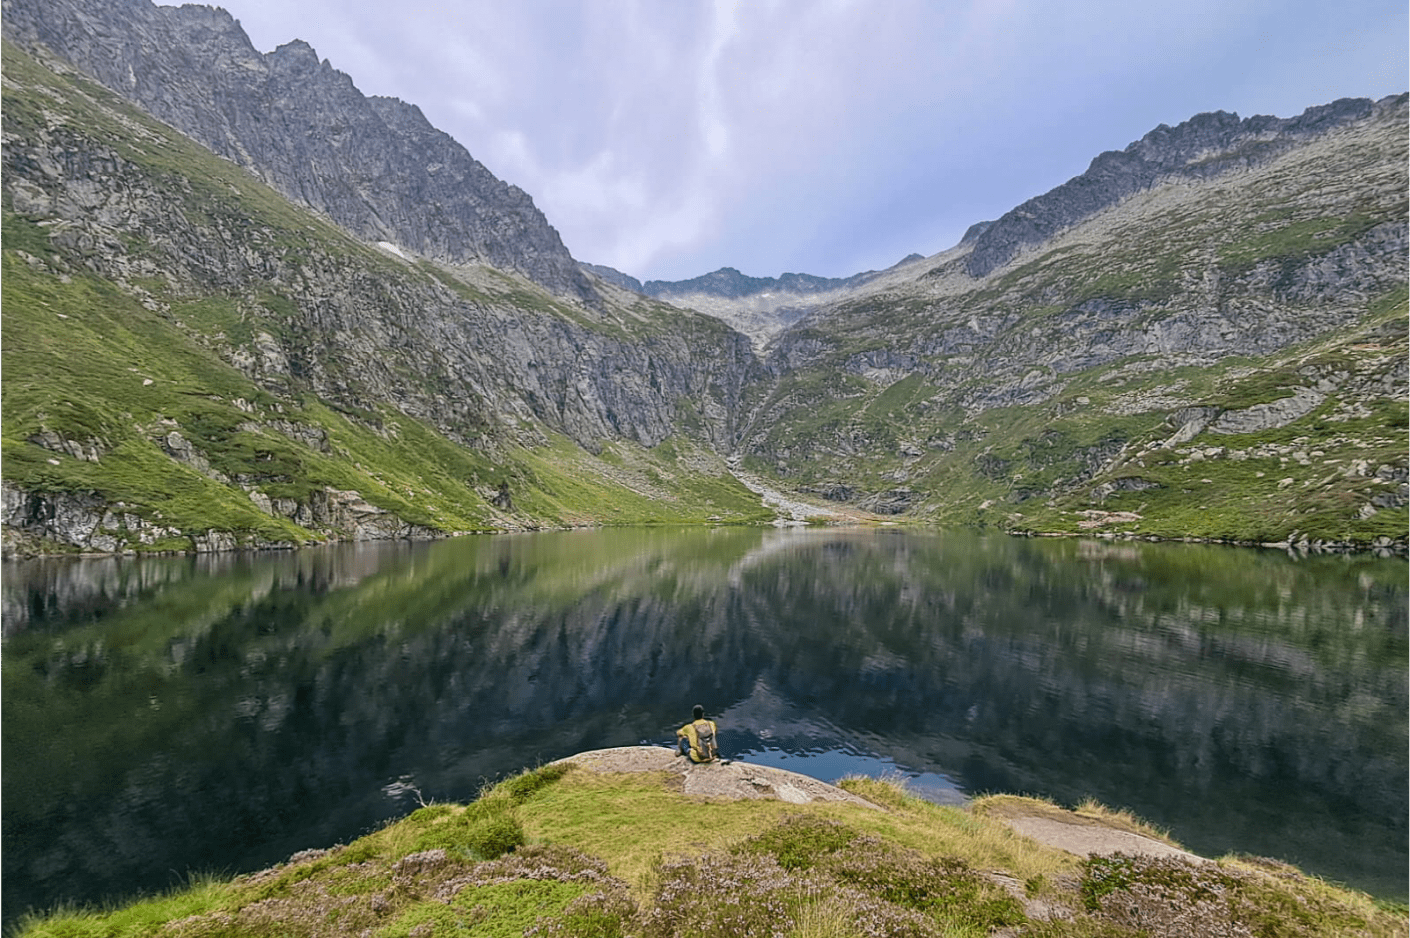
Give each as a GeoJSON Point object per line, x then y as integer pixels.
{"type": "Point", "coordinates": [830, 765]}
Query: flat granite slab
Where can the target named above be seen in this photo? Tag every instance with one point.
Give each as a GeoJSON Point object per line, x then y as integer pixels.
{"type": "Point", "coordinates": [1088, 839]}
{"type": "Point", "coordinates": [734, 780]}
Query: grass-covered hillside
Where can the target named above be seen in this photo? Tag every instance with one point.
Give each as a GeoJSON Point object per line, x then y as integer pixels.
{"type": "Point", "coordinates": [564, 850]}
{"type": "Point", "coordinates": [1221, 360]}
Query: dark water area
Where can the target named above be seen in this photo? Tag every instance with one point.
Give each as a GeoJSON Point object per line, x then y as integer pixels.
{"type": "Point", "coordinates": [218, 714]}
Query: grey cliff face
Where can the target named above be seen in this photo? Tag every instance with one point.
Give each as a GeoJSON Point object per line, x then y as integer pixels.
{"type": "Point", "coordinates": [359, 334]}
{"type": "Point", "coordinates": [375, 166]}
{"type": "Point", "coordinates": [1202, 147]}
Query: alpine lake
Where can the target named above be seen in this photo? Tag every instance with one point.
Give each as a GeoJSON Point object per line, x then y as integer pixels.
{"type": "Point", "coordinates": [165, 716]}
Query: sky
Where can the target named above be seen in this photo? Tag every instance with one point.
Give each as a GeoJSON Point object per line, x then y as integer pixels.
{"type": "Point", "coordinates": [669, 138]}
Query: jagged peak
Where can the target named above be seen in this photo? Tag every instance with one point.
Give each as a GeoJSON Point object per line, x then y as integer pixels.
{"type": "Point", "coordinates": [298, 54]}
{"type": "Point", "coordinates": [976, 229]}
{"type": "Point", "coordinates": [213, 15]}
{"type": "Point", "coordinates": [296, 46]}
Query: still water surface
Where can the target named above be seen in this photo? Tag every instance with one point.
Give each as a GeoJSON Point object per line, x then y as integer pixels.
{"type": "Point", "coordinates": [221, 713]}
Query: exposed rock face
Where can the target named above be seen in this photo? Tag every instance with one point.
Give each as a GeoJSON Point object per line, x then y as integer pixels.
{"type": "Point", "coordinates": [1278, 413]}
{"type": "Point", "coordinates": [376, 166]}
{"type": "Point", "coordinates": [1202, 147]}
{"type": "Point", "coordinates": [87, 521]}
{"type": "Point", "coordinates": [975, 230]}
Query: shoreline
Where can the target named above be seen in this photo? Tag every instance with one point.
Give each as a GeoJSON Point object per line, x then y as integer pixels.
{"type": "Point", "coordinates": [1381, 547]}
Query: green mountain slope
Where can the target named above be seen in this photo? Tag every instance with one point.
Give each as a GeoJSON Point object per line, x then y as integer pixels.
{"type": "Point", "coordinates": [192, 362]}
{"type": "Point", "coordinates": [1222, 360]}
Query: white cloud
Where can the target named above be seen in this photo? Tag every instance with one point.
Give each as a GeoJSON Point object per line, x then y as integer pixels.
{"type": "Point", "coordinates": [713, 126]}
{"type": "Point", "coordinates": [670, 138]}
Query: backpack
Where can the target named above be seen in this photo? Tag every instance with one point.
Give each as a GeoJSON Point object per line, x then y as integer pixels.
{"type": "Point", "coordinates": [705, 736]}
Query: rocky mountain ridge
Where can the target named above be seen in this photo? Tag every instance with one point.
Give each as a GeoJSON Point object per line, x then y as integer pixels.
{"type": "Point", "coordinates": [373, 165]}
{"type": "Point", "coordinates": [760, 307]}
{"type": "Point", "coordinates": [731, 284]}
{"type": "Point", "coordinates": [1203, 147]}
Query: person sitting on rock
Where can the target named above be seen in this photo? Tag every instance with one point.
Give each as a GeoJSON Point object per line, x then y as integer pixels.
{"type": "Point", "coordinates": [697, 738]}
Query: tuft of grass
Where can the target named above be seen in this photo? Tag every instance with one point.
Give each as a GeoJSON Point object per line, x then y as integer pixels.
{"type": "Point", "coordinates": [490, 827]}
{"type": "Point", "coordinates": [828, 917]}
{"type": "Point", "coordinates": [522, 787]}
{"type": "Point", "coordinates": [484, 831]}
{"type": "Point", "coordinates": [199, 895]}
{"type": "Point", "coordinates": [1123, 819]}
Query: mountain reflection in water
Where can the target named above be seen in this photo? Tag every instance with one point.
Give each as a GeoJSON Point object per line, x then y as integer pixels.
{"type": "Point", "coordinates": [222, 713]}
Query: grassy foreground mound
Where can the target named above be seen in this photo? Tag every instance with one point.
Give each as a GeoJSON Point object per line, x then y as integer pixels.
{"type": "Point", "coordinates": [565, 851]}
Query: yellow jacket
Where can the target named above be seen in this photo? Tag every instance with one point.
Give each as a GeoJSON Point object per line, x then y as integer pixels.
{"type": "Point", "coordinates": [694, 731]}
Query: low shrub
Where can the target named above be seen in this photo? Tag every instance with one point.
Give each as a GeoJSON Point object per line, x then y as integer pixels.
{"type": "Point", "coordinates": [813, 875]}
{"type": "Point", "coordinates": [749, 893]}
{"type": "Point", "coordinates": [1166, 897]}
{"type": "Point", "coordinates": [942, 887]}
{"type": "Point", "coordinates": [800, 840]}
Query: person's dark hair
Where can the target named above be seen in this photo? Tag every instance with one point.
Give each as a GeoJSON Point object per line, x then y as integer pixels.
{"type": "Point", "coordinates": [698, 713]}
